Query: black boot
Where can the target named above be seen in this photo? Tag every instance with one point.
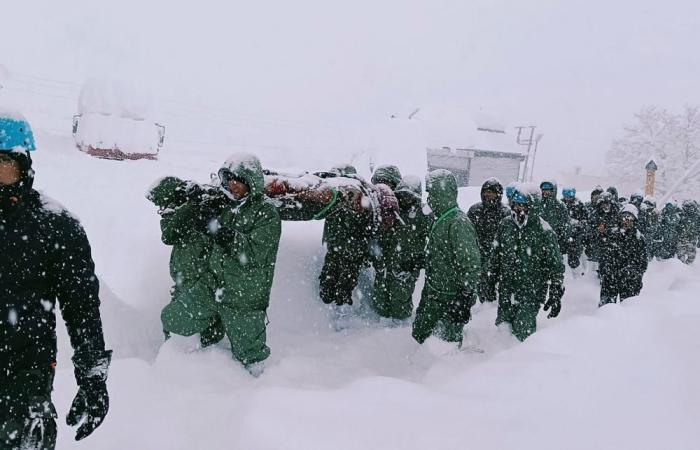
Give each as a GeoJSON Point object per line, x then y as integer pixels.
{"type": "Point", "coordinates": [213, 334]}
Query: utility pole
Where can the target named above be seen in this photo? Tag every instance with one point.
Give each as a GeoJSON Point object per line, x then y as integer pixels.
{"type": "Point", "coordinates": [526, 141]}
{"type": "Point", "coordinates": [534, 154]}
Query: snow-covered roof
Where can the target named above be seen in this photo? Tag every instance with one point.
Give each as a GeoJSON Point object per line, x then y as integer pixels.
{"type": "Point", "coordinates": [461, 129]}
{"type": "Point", "coordinates": [112, 97]}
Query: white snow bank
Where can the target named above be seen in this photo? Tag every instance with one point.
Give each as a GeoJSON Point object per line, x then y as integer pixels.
{"type": "Point", "coordinates": [621, 377]}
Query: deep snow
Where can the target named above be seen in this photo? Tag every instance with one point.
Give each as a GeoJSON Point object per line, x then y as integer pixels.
{"type": "Point", "coordinates": [624, 376]}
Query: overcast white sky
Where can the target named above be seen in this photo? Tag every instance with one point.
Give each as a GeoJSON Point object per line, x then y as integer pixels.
{"type": "Point", "coordinates": [578, 69]}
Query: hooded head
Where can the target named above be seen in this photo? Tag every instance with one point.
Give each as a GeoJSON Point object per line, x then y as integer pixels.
{"type": "Point", "coordinates": [409, 193]}
{"type": "Point", "coordinates": [549, 189]}
{"type": "Point", "coordinates": [244, 168]}
{"type": "Point", "coordinates": [613, 191]}
{"type": "Point", "coordinates": [441, 186]}
{"type": "Point", "coordinates": [595, 194]}
{"type": "Point", "coordinates": [389, 175]}
{"type": "Point", "coordinates": [492, 192]}
{"type": "Point", "coordinates": [636, 199]}
{"type": "Point", "coordinates": [689, 207]}
{"type": "Point", "coordinates": [605, 202]}
{"type": "Point", "coordinates": [344, 170]}
{"type": "Point", "coordinates": [16, 141]}
{"type": "Point", "coordinates": [167, 192]}
{"type": "Point", "coordinates": [628, 217]}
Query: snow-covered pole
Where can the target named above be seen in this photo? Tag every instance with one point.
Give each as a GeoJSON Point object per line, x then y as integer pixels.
{"type": "Point", "coordinates": [688, 173]}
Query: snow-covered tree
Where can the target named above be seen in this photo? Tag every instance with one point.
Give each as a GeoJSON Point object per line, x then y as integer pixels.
{"type": "Point", "coordinates": [672, 140]}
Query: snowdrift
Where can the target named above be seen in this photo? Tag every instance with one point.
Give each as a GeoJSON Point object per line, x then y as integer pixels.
{"type": "Point", "coordinates": [621, 377]}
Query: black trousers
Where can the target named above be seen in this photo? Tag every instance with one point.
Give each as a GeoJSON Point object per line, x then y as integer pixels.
{"type": "Point", "coordinates": [339, 276]}
{"type": "Point", "coordinates": [623, 286]}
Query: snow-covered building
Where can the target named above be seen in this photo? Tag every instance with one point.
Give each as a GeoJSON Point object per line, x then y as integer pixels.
{"type": "Point", "coordinates": [114, 121]}
{"type": "Point", "coordinates": [482, 149]}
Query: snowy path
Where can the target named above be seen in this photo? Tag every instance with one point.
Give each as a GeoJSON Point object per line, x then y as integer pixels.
{"type": "Point", "coordinates": [625, 376]}
{"type": "Point", "coordinates": [622, 377]}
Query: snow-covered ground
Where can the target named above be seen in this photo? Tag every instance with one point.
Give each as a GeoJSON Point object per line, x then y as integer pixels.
{"type": "Point", "coordinates": [621, 377]}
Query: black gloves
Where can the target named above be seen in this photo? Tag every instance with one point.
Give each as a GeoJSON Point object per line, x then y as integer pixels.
{"type": "Point", "coordinates": [556, 292]}
{"type": "Point", "coordinates": [459, 307]}
{"type": "Point", "coordinates": [91, 404]}
{"type": "Point", "coordinates": [487, 290]}
{"type": "Point", "coordinates": [224, 236]}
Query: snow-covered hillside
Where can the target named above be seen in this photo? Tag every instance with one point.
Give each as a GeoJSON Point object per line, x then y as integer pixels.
{"type": "Point", "coordinates": [621, 377]}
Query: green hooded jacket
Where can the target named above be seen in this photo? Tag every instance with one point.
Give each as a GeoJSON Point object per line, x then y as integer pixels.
{"type": "Point", "coordinates": [554, 212]}
{"type": "Point", "coordinates": [389, 175]}
{"type": "Point", "coordinates": [524, 259]}
{"type": "Point", "coordinates": [452, 262]}
{"type": "Point", "coordinates": [182, 227]}
{"type": "Point", "coordinates": [246, 239]}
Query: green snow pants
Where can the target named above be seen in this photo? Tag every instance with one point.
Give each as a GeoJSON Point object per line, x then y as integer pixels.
{"type": "Point", "coordinates": [520, 314]}
{"type": "Point", "coordinates": [245, 329]}
{"type": "Point", "coordinates": [433, 318]}
{"type": "Point", "coordinates": [27, 415]}
{"type": "Point", "coordinates": [393, 293]}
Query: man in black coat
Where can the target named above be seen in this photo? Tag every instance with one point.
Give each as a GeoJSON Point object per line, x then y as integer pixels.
{"type": "Point", "coordinates": [623, 260]}
{"type": "Point", "coordinates": [485, 216]}
{"type": "Point", "coordinates": [601, 224]}
{"type": "Point", "coordinates": [578, 222]}
{"type": "Point", "coordinates": [45, 258]}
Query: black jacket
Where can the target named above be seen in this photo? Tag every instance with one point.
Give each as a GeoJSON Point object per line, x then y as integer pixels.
{"type": "Point", "coordinates": [624, 256]}
{"type": "Point", "coordinates": [485, 217]}
{"type": "Point", "coordinates": [45, 257]}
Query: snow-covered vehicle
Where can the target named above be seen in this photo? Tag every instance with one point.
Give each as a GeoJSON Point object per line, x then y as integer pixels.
{"type": "Point", "coordinates": [114, 122]}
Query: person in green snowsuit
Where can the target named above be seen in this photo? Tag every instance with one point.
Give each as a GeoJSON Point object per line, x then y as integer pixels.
{"type": "Point", "coordinates": [223, 261]}
{"type": "Point", "coordinates": [525, 262]}
{"type": "Point", "coordinates": [666, 240]}
{"type": "Point", "coordinates": [401, 254]}
{"type": "Point", "coordinates": [452, 265]}
{"type": "Point", "coordinates": [554, 212]}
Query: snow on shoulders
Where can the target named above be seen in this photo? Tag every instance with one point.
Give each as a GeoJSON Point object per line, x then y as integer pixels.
{"type": "Point", "coordinates": [545, 225]}
{"type": "Point", "coordinates": [53, 206]}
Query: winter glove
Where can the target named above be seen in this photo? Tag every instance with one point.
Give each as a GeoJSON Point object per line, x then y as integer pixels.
{"type": "Point", "coordinates": [91, 404]}
{"type": "Point", "coordinates": [459, 307]}
{"type": "Point", "coordinates": [556, 292]}
{"type": "Point", "coordinates": [224, 236]}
